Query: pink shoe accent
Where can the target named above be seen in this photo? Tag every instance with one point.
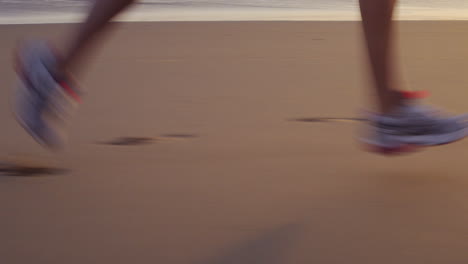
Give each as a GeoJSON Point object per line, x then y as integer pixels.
{"type": "Point", "coordinates": [414, 94]}
{"type": "Point", "coordinates": [70, 91]}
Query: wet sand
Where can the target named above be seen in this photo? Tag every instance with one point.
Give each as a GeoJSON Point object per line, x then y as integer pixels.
{"type": "Point", "coordinates": [206, 143]}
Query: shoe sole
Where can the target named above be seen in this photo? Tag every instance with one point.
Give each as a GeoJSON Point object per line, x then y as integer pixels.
{"type": "Point", "coordinates": [15, 104]}
{"type": "Point", "coordinates": [406, 148]}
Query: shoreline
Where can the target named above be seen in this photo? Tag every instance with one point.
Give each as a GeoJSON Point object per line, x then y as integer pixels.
{"type": "Point", "coordinates": [236, 21]}
{"type": "Point", "coordinates": [140, 14]}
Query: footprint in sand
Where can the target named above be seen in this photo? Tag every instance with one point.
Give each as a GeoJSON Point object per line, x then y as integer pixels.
{"type": "Point", "coordinates": [28, 167]}
{"type": "Point", "coordinates": [136, 141]}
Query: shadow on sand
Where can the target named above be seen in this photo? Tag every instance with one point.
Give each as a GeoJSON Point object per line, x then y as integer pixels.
{"type": "Point", "coordinates": [269, 248]}
{"type": "Point", "coordinates": [327, 119]}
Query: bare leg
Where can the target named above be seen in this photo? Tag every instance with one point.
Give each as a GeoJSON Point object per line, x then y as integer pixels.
{"type": "Point", "coordinates": [378, 30]}
{"type": "Point", "coordinates": [101, 13]}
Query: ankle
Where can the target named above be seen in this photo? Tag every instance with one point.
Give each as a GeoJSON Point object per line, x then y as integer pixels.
{"type": "Point", "coordinates": [390, 101]}
{"type": "Point", "coordinates": [394, 98]}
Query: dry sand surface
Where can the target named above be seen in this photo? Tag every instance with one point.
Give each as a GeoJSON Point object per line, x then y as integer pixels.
{"type": "Point", "coordinates": [216, 170]}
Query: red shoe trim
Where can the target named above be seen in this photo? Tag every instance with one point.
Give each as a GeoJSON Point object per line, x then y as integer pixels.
{"type": "Point", "coordinates": [414, 94]}
{"type": "Point", "coordinates": [70, 91]}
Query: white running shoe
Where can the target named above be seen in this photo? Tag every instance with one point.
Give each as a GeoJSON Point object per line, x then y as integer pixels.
{"type": "Point", "coordinates": [411, 126]}
{"type": "Point", "coordinates": [42, 100]}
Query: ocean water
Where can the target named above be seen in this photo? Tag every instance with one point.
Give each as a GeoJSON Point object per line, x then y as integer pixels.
{"type": "Point", "coordinates": [50, 11]}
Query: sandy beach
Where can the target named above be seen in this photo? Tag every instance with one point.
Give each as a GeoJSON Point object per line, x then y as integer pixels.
{"type": "Point", "coordinates": [204, 143]}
